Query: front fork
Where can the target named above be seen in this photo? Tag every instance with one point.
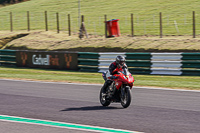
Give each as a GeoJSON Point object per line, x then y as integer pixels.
{"type": "Point", "coordinates": [123, 91]}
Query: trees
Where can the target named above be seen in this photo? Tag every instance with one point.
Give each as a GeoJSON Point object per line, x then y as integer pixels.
{"type": "Point", "coordinates": [10, 1]}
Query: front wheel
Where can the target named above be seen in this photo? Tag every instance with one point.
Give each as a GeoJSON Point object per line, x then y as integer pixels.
{"type": "Point", "coordinates": [126, 97]}
{"type": "Point", "coordinates": [102, 97]}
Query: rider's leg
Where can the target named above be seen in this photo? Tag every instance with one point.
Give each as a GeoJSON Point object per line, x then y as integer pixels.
{"type": "Point", "coordinates": [106, 85]}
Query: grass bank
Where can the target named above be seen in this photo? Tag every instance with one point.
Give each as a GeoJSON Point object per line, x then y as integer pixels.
{"type": "Point", "coordinates": [177, 15]}
{"type": "Point", "coordinates": [41, 40]}
{"type": "Point", "coordinates": [176, 82]}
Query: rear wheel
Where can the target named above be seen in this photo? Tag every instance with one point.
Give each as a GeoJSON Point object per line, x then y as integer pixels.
{"type": "Point", "coordinates": [126, 97]}
{"type": "Point", "coordinates": [102, 98]}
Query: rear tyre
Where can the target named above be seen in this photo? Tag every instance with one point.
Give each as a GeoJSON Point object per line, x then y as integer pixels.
{"type": "Point", "coordinates": [102, 97]}
{"type": "Point", "coordinates": [126, 98]}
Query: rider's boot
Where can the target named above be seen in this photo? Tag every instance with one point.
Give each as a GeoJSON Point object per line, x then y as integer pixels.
{"type": "Point", "coordinates": [105, 86]}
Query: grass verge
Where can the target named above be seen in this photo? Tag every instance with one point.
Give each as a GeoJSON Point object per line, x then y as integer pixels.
{"type": "Point", "coordinates": [41, 40]}
{"type": "Point", "coordinates": [176, 82]}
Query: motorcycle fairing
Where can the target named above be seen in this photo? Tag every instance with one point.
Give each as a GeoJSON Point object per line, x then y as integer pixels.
{"type": "Point", "coordinates": [121, 78]}
{"type": "Point", "coordinates": [118, 84]}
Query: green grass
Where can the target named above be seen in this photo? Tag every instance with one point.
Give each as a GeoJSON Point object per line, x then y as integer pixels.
{"type": "Point", "coordinates": [49, 75]}
{"type": "Point", "coordinates": [181, 82]}
{"type": "Point", "coordinates": [146, 15]}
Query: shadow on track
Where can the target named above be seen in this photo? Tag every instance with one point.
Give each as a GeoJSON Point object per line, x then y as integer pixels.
{"type": "Point", "coordinates": [89, 108]}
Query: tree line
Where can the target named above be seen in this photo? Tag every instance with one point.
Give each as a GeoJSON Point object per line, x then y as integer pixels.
{"type": "Point", "coordinates": [11, 1]}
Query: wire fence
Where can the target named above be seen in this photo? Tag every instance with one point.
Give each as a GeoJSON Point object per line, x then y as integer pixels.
{"type": "Point", "coordinates": [144, 24]}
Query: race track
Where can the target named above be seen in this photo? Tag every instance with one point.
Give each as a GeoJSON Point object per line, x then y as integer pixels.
{"type": "Point", "coordinates": [151, 110]}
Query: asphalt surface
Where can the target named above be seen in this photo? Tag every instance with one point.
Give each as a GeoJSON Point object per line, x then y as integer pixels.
{"type": "Point", "coordinates": [151, 110]}
{"type": "Point", "coordinates": [10, 127]}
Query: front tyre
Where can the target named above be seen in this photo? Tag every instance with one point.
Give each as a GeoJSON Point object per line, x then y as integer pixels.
{"type": "Point", "coordinates": [102, 98]}
{"type": "Point", "coordinates": [126, 97]}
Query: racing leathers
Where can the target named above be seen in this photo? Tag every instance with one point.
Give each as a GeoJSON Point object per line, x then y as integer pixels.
{"type": "Point", "coordinates": [112, 70]}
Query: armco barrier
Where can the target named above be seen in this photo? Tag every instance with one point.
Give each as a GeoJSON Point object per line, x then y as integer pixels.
{"type": "Point", "coordinates": [7, 57]}
{"type": "Point", "coordinates": [138, 63]}
{"type": "Point", "coordinates": [105, 59]}
{"type": "Point", "coordinates": [144, 63]}
{"type": "Point", "coordinates": [166, 63]}
{"type": "Point", "coordinates": [190, 64]}
{"type": "Point", "coordinates": [88, 61]}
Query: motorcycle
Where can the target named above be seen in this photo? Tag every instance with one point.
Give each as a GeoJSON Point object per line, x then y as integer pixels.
{"type": "Point", "coordinates": [119, 90]}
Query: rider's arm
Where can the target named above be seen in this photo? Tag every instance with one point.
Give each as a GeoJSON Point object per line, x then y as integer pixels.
{"type": "Point", "coordinates": [125, 69]}
{"type": "Point", "coordinates": [112, 67]}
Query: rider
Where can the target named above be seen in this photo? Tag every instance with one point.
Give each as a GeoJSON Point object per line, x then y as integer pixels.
{"type": "Point", "coordinates": [120, 64]}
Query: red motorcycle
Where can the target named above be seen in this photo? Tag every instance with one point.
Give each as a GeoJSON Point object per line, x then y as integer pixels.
{"type": "Point", "coordinates": [119, 90]}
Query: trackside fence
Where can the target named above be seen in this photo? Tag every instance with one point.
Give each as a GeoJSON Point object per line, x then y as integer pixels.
{"type": "Point", "coordinates": [7, 57]}
{"type": "Point", "coordinates": [133, 24]}
{"type": "Point", "coordinates": [143, 63]}
{"type": "Point", "coordinates": [138, 63]}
